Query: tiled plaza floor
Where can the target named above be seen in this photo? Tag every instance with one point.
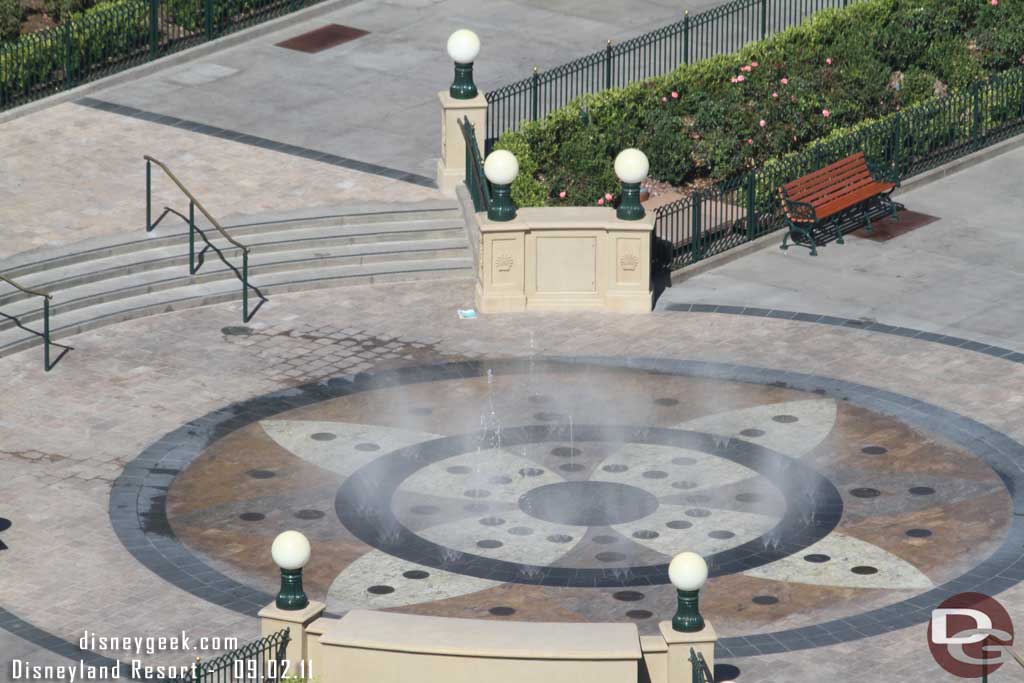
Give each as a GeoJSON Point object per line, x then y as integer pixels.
{"type": "Point", "coordinates": [67, 435]}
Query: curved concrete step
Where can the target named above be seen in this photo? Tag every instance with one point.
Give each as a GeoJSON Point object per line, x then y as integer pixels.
{"type": "Point", "coordinates": [107, 280]}
{"type": "Point", "coordinates": [173, 230]}
{"type": "Point", "coordinates": [318, 247]}
{"type": "Point", "coordinates": [221, 291]}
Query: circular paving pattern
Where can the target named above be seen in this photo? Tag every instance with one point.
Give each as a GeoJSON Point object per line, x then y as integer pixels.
{"type": "Point", "coordinates": [444, 518]}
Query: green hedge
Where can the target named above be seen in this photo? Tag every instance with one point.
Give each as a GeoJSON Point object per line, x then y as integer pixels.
{"type": "Point", "coordinates": [703, 121]}
{"type": "Point", "coordinates": [108, 34]}
{"type": "Point", "coordinates": [11, 14]}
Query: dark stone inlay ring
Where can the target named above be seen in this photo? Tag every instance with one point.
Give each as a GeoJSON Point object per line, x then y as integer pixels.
{"type": "Point", "coordinates": [138, 512]}
{"type": "Point", "coordinates": [814, 505]}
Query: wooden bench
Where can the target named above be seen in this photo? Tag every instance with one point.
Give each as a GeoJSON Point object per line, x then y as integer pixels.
{"type": "Point", "coordinates": [828, 194]}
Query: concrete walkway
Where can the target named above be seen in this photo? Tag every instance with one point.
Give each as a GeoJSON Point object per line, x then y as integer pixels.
{"type": "Point", "coordinates": [960, 275]}
{"type": "Point", "coordinates": [375, 98]}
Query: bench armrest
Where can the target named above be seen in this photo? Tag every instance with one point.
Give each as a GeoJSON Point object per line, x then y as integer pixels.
{"type": "Point", "coordinates": [884, 172]}
{"type": "Point", "coordinates": [800, 212]}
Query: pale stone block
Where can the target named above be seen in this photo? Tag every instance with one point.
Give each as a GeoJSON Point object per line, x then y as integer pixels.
{"type": "Point", "coordinates": [273, 619]}
{"type": "Point", "coordinates": [679, 668]}
{"type": "Point", "coordinates": [655, 651]}
{"type": "Point", "coordinates": [383, 647]}
{"type": "Point", "coordinates": [560, 259]}
{"type": "Point", "coordinates": [451, 168]}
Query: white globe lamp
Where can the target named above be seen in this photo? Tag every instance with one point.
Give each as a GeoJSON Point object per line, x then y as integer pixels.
{"type": "Point", "coordinates": [688, 572]}
{"type": "Point", "coordinates": [501, 169]}
{"type": "Point", "coordinates": [291, 552]}
{"type": "Point", "coordinates": [463, 48]}
{"type": "Point", "coordinates": [631, 167]}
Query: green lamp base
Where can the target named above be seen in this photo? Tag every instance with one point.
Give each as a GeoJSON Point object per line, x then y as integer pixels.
{"type": "Point", "coordinates": [630, 208]}
{"type": "Point", "coordinates": [291, 595]}
{"type": "Point", "coordinates": [463, 87]}
{"type": "Point", "coordinates": [687, 618]}
{"type": "Point", "coordinates": [501, 208]}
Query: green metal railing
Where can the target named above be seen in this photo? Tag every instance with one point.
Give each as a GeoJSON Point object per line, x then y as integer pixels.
{"type": "Point", "coordinates": [117, 36]}
{"type": "Point", "coordinates": [476, 181]}
{"type": "Point", "coordinates": [746, 207]}
{"type": "Point", "coordinates": [700, 672]}
{"type": "Point", "coordinates": [716, 31]}
{"type": "Point", "coordinates": [259, 661]}
{"type": "Point", "coordinates": [196, 260]}
{"type": "Point", "coordinates": [48, 342]}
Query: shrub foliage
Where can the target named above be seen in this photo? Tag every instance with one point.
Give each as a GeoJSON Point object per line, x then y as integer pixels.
{"type": "Point", "coordinates": [719, 117]}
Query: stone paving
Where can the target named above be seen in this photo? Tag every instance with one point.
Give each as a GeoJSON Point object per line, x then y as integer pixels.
{"type": "Point", "coordinates": [375, 98]}
{"type": "Point", "coordinates": [67, 436]}
{"type": "Point", "coordinates": [64, 448]}
{"type": "Point", "coordinates": [72, 172]}
{"type": "Point", "coordinates": [959, 275]}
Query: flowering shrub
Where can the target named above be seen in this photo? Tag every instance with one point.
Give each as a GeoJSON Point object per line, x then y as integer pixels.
{"type": "Point", "coordinates": [721, 116]}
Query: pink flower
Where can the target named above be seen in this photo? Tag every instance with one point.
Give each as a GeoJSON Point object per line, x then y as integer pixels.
{"type": "Point", "coordinates": [763, 123]}
{"type": "Point", "coordinates": [995, 3]}
{"type": "Point", "coordinates": [826, 113]}
{"type": "Point", "coordinates": [784, 81]}
{"type": "Point", "coordinates": [775, 95]}
{"type": "Point", "coordinates": [754, 64]}
{"type": "Point", "coordinates": [750, 141]}
{"type": "Point", "coordinates": [675, 95]}
{"type": "Point", "coordinates": [829, 61]}
{"type": "Point", "coordinates": [733, 80]}
{"type": "Point", "coordinates": [561, 195]}
{"type": "Point", "coordinates": [794, 138]}
{"type": "Point", "coordinates": [741, 78]}
{"type": "Point", "coordinates": [745, 68]}
{"type": "Point", "coordinates": [664, 99]}
{"type": "Point", "coordinates": [608, 196]}
{"type": "Point", "coordinates": [600, 201]}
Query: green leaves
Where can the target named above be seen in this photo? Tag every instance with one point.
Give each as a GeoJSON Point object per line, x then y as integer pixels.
{"type": "Point", "coordinates": [884, 54]}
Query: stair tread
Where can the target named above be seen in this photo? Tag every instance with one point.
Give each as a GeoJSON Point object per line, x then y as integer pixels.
{"type": "Point", "coordinates": [265, 234]}
{"type": "Point", "coordinates": [213, 272]}
{"type": "Point", "coordinates": [70, 319]}
{"type": "Point", "coordinates": [155, 260]}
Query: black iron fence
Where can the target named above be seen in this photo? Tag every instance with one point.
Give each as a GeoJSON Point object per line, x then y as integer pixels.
{"type": "Point", "coordinates": [116, 36]}
{"type": "Point", "coordinates": [719, 30]}
{"type": "Point", "coordinates": [746, 207]}
{"type": "Point", "coordinates": [260, 661]}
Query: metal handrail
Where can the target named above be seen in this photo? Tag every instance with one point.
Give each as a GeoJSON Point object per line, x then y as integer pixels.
{"type": "Point", "coordinates": [191, 197]}
{"type": "Point", "coordinates": [193, 257]}
{"type": "Point", "coordinates": [45, 334]}
{"type": "Point", "coordinates": [700, 671]}
{"type": "Point", "coordinates": [476, 181]}
{"type": "Point", "coordinates": [33, 292]}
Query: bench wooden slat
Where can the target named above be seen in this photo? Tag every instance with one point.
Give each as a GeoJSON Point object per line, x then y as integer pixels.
{"type": "Point", "coordinates": [854, 161]}
{"type": "Point", "coordinates": [828, 194]}
{"type": "Point", "coordinates": [838, 177]}
{"type": "Point", "coordinates": [846, 201]}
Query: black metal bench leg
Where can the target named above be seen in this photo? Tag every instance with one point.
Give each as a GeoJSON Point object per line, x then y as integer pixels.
{"type": "Point", "coordinates": [839, 231]}
{"type": "Point", "coordinates": [785, 237]}
{"type": "Point", "coordinates": [867, 219]}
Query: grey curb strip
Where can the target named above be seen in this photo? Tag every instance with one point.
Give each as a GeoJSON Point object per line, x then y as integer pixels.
{"type": "Point", "coordinates": [947, 340]}
{"type": "Point", "coordinates": [255, 141]}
